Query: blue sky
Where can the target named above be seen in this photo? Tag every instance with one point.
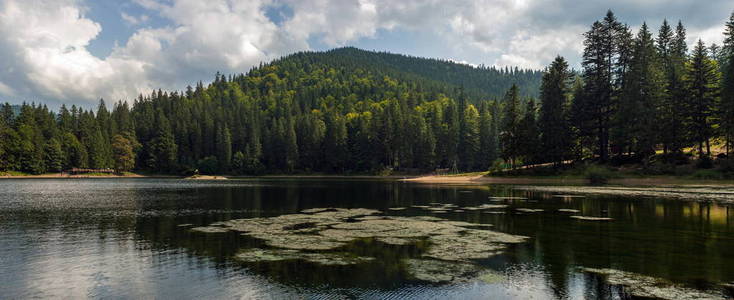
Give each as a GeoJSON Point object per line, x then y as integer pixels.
{"type": "Point", "coordinates": [78, 51]}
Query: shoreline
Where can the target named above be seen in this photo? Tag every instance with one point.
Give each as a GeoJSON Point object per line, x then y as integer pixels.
{"type": "Point", "coordinates": [628, 181]}
{"type": "Point", "coordinates": [468, 179]}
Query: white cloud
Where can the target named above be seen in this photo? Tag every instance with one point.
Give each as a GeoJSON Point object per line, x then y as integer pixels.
{"type": "Point", "coordinates": [133, 20]}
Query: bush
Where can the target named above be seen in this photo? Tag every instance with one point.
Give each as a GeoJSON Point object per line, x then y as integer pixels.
{"type": "Point", "coordinates": [705, 163]}
{"type": "Point", "coordinates": [707, 175]}
{"type": "Point", "coordinates": [597, 174]}
{"type": "Point", "coordinates": [497, 166]}
{"type": "Point", "coordinates": [726, 165]}
{"type": "Point", "coordinates": [208, 165]}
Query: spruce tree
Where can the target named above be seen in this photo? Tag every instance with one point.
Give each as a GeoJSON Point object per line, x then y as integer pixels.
{"type": "Point", "coordinates": [555, 134]}
{"type": "Point", "coordinates": [726, 109]}
{"type": "Point", "coordinates": [702, 81]}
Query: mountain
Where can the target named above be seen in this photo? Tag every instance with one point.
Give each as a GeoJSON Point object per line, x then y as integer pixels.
{"type": "Point", "coordinates": [479, 83]}
{"type": "Point", "coordinates": [340, 111]}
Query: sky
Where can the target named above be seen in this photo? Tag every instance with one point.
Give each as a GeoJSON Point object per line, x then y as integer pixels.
{"type": "Point", "coordinates": [78, 51]}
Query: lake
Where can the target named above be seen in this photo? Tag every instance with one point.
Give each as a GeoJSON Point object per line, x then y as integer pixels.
{"type": "Point", "coordinates": [148, 238]}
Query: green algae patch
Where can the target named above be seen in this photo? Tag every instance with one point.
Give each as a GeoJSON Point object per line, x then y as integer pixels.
{"type": "Point", "coordinates": [397, 208]}
{"type": "Point", "coordinates": [322, 236]}
{"type": "Point", "coordinates": [528, 210]}
{"type": "Point", "coordinates": [253, 255]}
{"type": "Point", "coordinates": [210, 229]}
{"type": "Point", "coordinates": [437, 271]}
{"type": "Point", "coordinates": [491, 277]}
{"type": "Point", "coordinates": [649, 287]}
{"type": "Point", "coordinates": [703, 193]}
{"type": "Point", "coordinates": [586, 218]}
{"type": "Point", "coordinates": [331, 229]}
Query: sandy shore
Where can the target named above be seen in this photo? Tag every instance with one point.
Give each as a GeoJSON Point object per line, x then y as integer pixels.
{"type": "Point", "coordinates": [206, 177]}
{"type": "Point", "coordinates": [479, 179]}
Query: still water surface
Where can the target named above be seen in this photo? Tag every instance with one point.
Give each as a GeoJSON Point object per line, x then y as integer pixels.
{"type": "Point", "coordinates": [111, 238]}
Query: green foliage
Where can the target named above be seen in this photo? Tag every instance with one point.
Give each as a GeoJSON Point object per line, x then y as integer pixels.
{"type": "Point", "coordinates": [123, 154]}
{"type": "Point", "coordinates": [354, 111]}
{"type": "Point", "coordinates": [208, 165]}
{"type": "Point", "coordinates": [598, 174]}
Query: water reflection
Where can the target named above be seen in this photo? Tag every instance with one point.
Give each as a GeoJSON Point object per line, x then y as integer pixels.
{"type": "Point", "coordinates": [121, 238]}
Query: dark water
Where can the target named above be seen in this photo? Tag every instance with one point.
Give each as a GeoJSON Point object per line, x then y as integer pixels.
{"type": "Point", "coordinates": [104, 238]}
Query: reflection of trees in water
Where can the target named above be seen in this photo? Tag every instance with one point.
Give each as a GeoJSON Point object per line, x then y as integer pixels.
{"type": "Point", "coordinates": [687, 242]}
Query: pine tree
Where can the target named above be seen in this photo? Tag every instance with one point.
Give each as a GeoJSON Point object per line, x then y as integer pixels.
{"type": "Point", "coordinates": [554, 114]}
{"type": "Point", "coordinates": [726, 110]}
{"type": "Point", "coordinates": [702, 81]}
{"type": "Point", "coordinates": [529, 135]}
{"type": "Point", "coordinates": [636, 120]}
{"type": "Point", "coordinates": [603, 64]}
{"type": "Point", "coordinates": [510, 126]}
{"type": "Point", "coordinates": [470, 137]}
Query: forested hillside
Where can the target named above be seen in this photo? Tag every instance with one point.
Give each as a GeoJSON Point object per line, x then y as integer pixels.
{"type": "Point", "coordinates": [354, 111]}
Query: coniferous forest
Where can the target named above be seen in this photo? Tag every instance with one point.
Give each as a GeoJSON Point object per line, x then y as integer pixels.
{"type": "Point", "coordinates": [637, 96]}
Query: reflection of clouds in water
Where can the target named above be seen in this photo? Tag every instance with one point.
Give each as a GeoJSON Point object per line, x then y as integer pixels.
{"type": "Point", "coordinates": [79, 265]}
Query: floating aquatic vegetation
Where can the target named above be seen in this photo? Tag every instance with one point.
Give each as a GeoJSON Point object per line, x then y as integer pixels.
{"type": "Point", "coordinates": [722, 193]}
{"type": "Point", "coordinates": [397, 208]}
{"type": "Point", "coordinates": [459, 210]}
{"type": "Point", "coordinates": [507, 198]}
{"type": "Point", "coordinates": [528, 210]}
{"type": "Point", "coordinates": [494, 212]}
{"type": "Point", "coordinates": [314, 237]}
{"type": "Point", "coordinates": [313, 210]}
{"type": "Point", "coordinates": [437, 271]}
{"type": "Point", "coordinates": [322, 258]}
{"type": "Point", "coordinates": [568, 210]}
{"type": "Point", "coordinates": [331, 229]}
{"type": "Point", "coordinates": [586, 218]}
{"type": "Point", "coordinates": [210, 229]}
{"type": "Point", "coordinates": [569, 196]}
{"type": "Point", "coordinates": [185, 225]}
{"type": "Point", "coordinates": [649, 287]}
{"type": "Point", "coordinates": [485, 206]}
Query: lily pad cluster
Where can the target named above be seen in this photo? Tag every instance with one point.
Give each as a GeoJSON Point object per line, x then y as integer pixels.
{"type": "Point", "coordinates": [320, 236]}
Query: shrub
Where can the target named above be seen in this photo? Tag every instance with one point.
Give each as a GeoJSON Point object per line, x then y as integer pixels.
{"type": "Point", "coordinates": [705, 163]}
{"type": "Point", "coordinates": [597, 174]}
{"type": "Point", "coordinates": [497, 166]}
{"type": "Point", "coordinates": [707, 174]}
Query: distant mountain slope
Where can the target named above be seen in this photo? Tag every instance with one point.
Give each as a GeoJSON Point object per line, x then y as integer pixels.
{"type": "Point", "coordinates": [479, 83]}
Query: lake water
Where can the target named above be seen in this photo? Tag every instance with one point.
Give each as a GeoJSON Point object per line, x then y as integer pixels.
{"type": "Point", "coordinates": [112, 238]}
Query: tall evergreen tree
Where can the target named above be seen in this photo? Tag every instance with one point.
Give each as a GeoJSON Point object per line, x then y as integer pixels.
{"type": "Point", "coordinates": [603, 63]}
{"type": "Point", "coordinates": [637, 117]}
{"type": "Point", "coordinates": [726, 110]}
{"type": "Point", "coordinates": [702, 82]}
{"type": "Point", "coordinates": [510, 129]}
{"type": "Point", "coordinates": [555, 133]}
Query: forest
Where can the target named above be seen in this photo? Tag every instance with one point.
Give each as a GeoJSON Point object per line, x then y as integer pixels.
{"type": "Point", "coordinates": [638, 97]}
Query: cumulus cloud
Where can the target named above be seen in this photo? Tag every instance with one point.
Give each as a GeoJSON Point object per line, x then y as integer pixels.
{"type": "Point", "coordinates": [44, 42]}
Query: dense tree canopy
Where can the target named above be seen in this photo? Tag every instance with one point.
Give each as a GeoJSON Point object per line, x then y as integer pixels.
{"type": "Point", "coordinates": [355, 111]}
